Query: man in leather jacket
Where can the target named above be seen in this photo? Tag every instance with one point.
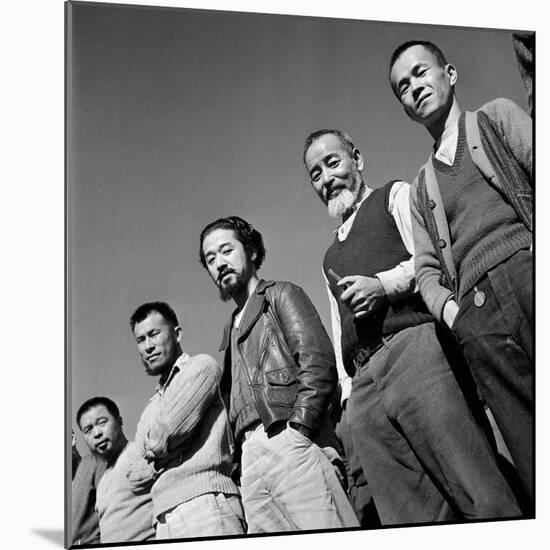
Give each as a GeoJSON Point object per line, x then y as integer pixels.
{"type": "Point", "coordinates": [279, 377]}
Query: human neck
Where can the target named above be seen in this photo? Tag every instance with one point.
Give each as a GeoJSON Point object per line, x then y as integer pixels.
{"type": "Point", "coordinates": [360, 197]}
{"type": "Point", "coordinates": [446, 121]}
{"type": "Point", "coordinates": [242, 297]}
{"type": "Point", "coordinates": [166, 373]}
{"type": "Point", "coordinates": [114, 456]}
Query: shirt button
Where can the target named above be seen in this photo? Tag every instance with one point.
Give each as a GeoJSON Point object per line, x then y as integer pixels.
{"type": "Point", "coordinates": [442, 243]}
{"type": "Point", "coordinates": [431, 204]}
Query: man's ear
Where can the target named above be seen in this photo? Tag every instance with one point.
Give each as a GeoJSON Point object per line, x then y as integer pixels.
{"type": "Point", "coordinates": [358, 158]}
{"type": "Point", "coordinates": [179, 334]}
{"type": "Point", "coordinates": [120, 420]}
{"type": "Point", "coordinates": [452, 73]}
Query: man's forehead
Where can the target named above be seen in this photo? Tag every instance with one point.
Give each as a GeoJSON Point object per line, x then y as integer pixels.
{"type": "Point", "coordinates": [218, 237]}
{"type": "Point", "coordinates": [322, 146]}
{"type": "Point", "coordinates": [413, 56]}
{"type": "Point", "coordinates": [95, 412]}
{"type": "Point", "coordinates": [154, 318]}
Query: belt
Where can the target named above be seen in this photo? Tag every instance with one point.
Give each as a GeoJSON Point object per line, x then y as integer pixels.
{"type": "Point", "coordinates": [366, 351]}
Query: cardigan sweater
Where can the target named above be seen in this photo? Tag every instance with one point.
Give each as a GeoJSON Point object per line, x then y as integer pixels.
{"type": "Point", "coordinates": [123, 515]}
{"type": "Point", "coordinates": [185, 437]}
{"type": "Point", "coordinates": [485, 229]}
{"type": "Point", "coordinates": [506, 139]}
{"type": "Point", "coordinates": [84, 520]}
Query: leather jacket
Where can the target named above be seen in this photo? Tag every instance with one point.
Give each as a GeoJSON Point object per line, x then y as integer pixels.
{"type": "Point", "coordinates": [287, 354]}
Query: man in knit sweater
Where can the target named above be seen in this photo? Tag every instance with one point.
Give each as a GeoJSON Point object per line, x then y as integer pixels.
{"type": "Point", "coordinates": [123, 515]}
{"type": "Point", "coordinates": [183, 435]}
{"type": "Point", "coordinates": [472, 233]}
{"type": "Point", "coordinates": [421, 447]}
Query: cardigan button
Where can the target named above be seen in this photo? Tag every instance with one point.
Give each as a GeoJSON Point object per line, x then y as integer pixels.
{"type": "Point", "coordinates": [442, 243]}
{"type": "Point", "coordinates": [431, 204]}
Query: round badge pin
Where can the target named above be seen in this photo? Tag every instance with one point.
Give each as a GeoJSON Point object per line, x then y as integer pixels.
{"type": "Point", "coordinates": [479, 298]}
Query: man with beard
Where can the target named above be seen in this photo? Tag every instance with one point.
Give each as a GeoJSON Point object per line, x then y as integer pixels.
{"type": "Point", "coordinates": [279, 375]}
{"type": "Point", "coordinates": [183, 435]}
{"type": "Point", "coordinates": [123, 516]}
{"type": "Point", "coordinates": [471, 208]}
{"type": "Point", "coordinates": [420, 446]}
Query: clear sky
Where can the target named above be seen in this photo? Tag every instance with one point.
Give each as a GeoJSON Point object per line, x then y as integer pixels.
{"type": "Point", "coordinates": [177, 117]}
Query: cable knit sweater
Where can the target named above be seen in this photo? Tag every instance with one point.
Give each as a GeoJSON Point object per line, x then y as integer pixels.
{"type": "Point", "coordinates": [185, 437]}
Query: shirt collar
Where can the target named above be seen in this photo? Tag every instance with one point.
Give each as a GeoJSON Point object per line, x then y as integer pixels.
{"type": "Point", "coordinates": [178, 365]}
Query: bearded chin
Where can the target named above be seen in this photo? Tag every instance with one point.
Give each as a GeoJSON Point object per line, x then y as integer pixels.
{"type": "Point", "coordinates": [229, 290]}
{"type": "Point", "coordinates": [342, 203]}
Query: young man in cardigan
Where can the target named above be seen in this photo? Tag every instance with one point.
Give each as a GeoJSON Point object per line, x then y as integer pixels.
{"type": "Point", "coordinates": [471, 211]}
{"type": "Point", "coordinates": [279, 376]}
{"type": "Point", "coordinates": [183, 435]}
{"type": "Point", "coordinates": [423, 453]}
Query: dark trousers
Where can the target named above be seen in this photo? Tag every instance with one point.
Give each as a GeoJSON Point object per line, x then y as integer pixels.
{"type": "Point", "coordinates": [423, 451]}
{"type": "Point", "coordinates": [497, 340]}
{"type": "Point", "coordinates": [358, 489]}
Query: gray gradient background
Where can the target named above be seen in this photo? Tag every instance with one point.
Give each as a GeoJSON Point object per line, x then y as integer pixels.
{"type": "Point", "coordinates": [177, 117]}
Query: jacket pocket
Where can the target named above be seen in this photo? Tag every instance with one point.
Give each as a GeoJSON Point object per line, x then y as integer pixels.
{"type": "Point", "coordinates": [281, 385]}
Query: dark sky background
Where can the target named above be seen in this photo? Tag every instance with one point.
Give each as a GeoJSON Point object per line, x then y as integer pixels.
{"type": "Point", "coordinates": [177, 117]}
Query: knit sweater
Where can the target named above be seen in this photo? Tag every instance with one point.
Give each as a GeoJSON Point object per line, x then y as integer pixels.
{"type": "Point", "coordinates": [84, 520]}
{"type": "Point", "coordinates": [185, 437]}
{"type": "Point", "coordinates": [484, 228]}
{"type": "Point", "coordinates": [506, 127]}
{"type": "Point", "coordinates": [123, 515]}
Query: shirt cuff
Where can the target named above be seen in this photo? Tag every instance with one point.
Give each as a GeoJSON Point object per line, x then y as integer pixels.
{"type": "Point", "coordinates": [345, 384]}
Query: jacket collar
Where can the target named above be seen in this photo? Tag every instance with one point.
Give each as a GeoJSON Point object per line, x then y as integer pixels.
{"type": "Point", "coordinates": [252, 312]}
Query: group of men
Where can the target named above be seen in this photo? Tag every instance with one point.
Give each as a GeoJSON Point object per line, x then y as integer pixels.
{"type": "Point", "coordinates": [430, 288]}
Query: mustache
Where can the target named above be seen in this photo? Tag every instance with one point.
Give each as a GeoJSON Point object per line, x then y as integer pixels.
{"type": "Point", "coordinates": [223, 273]}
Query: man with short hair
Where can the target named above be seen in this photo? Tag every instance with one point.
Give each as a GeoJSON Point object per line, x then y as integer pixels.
{"type": "Point", "coordinates": [123, 516]}
{"type": "Point", "coordinates": [472, 219]}
{"type": "Point", "coordinates": [279, 375]}
{"type": "Point", "coordinates": [184, 434]}
{"type": "Point", "coordinates": [421, 448]}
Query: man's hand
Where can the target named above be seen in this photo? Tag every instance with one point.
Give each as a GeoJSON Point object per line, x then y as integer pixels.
{"type": "Point", "coordinates": [362, 295]}
{"type": "Point", "coordinates": [449, 313]}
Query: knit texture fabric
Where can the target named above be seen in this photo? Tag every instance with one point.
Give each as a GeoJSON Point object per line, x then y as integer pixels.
{"type": "Point", "coordinates": [123, 516]}
{"type": "Point", "coordinates": [184, 433]}
{"type": "Point", "coordinates": [485, 229]}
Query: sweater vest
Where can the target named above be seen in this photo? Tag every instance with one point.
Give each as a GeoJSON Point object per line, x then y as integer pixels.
{"type": "Point", "coordinates": [484, 227]}
{"type": "Point", "coordinates": [373, 245]}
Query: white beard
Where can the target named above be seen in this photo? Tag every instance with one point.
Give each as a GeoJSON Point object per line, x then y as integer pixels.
{"type": "Point", "coordinates": [339, 205]}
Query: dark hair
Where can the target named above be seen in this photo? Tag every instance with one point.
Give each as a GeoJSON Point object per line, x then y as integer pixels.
{"type": "Point", "coordinates": [143, 311]}
{"type": "Point", "coordinates": [250, 238]}
{"type": "Point", "coordinates": [344, 139]}
{"type": "Point", "coordinates": [430, 46]}
{"type": "Point", "coordinates": [110, 405]}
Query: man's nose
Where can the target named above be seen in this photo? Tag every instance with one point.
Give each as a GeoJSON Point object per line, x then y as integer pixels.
{"type": "Point", "coordinates": [149, 345]}
{"type": "Point", "coordinates": [416, 86]}
{"type": "Point", "coordinates": [221, 262]}
{"type": "Point", "coordinates": [97, 432]}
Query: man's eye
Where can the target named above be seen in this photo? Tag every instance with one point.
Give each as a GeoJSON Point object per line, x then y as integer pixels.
{"type": "Point", "coordinates": [333, 163]}
{"type": "Point", "coordinates": [227, 251]}
{"type": "Point", "coordinates": [316, 176]}
{"type": "Point", "coordinates": [404, 89]}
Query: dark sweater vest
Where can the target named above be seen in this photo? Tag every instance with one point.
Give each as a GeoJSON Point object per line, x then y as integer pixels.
{"type": "Point", "coordinates": [485, 229]}
{"type": "Point", "coordinates": [373, 245]}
